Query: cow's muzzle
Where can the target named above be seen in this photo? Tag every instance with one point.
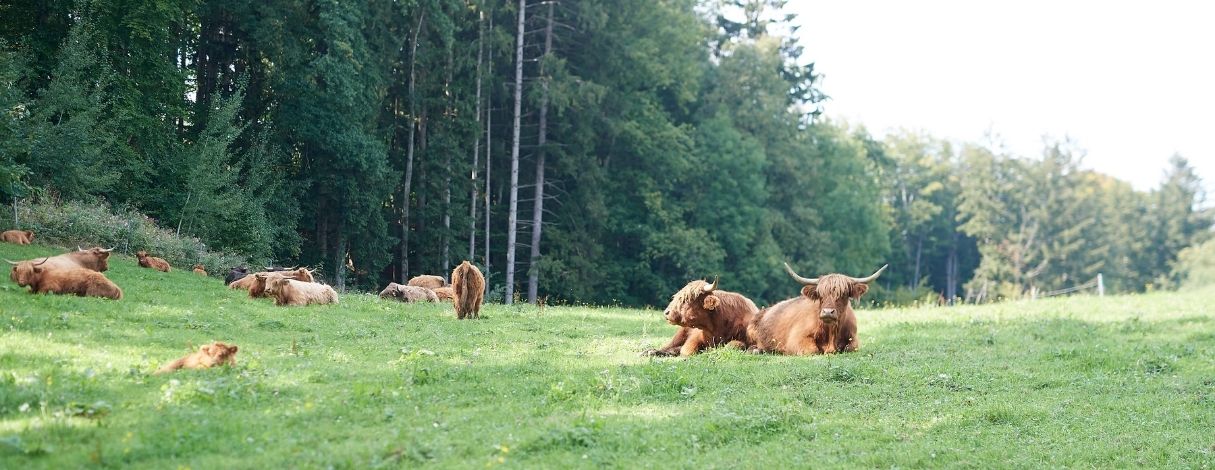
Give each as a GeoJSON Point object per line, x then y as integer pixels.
{"type": "Point", "coordinates": [828, 315]}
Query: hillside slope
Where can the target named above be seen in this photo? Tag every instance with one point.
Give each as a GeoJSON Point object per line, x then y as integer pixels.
{"type": "Point", "coordinates": [1082, 381]}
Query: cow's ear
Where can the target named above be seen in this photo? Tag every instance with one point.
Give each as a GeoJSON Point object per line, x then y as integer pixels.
{"type": "Point", "coordinates": [859, 289]}
{"type": "Point", "coordinates": [810, 292]}
{"type": "Point", "coordinates": [38, 269]}
{"type": "Point", "coordinates": [206, 349]}
{"type": "Point", "coordinates": [711, 302]}
{"type": "Point", "coordinates": [232, 350]}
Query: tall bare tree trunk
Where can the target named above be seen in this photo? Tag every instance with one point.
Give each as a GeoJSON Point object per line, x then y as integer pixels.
{"type": "Point", "coordinates": [447, 173]}
{"type": "Point", "coordinates": [513, 218]}
{"type": "Point", "coordinates": [413, 117]}
{"type": "Point", "coordinates": [489, 121]}
{"type": "Point", "coordinates": [472, 192]}
{"type": "Point", "coordinates": [533, 271]}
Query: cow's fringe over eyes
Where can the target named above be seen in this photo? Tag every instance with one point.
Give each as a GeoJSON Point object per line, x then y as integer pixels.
{"type": "Point", "coordinates": [688, 293]}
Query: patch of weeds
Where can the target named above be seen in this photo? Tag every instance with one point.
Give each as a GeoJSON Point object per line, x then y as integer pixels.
{"type": "Point", "coordinates": [271, 325]}
{"type": "Point", "coordinates": [998, 415]}
{"type": "Point", "coordinates": [948, 382]}
{"type": "Point", "coordinates": [581, 435]}
{"type": "Point", "coordinates": [1157, 365]}
{"type": "Point", "coordinates": [843, 374]}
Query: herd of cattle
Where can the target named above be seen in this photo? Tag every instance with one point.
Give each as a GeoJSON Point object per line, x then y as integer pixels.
{"type": "Point", "coordinates": [818, 321]}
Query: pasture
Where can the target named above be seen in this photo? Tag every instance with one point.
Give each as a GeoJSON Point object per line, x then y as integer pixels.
{"type": "Point", "coordinates": [1118, 381]}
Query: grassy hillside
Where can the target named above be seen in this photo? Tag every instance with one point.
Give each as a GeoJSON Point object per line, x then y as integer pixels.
{"type": "Point", "coordinates": [1112, 382]}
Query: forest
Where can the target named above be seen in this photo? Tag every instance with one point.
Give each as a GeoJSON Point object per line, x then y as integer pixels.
{"type": "Point", "coordinates": [579, 151]}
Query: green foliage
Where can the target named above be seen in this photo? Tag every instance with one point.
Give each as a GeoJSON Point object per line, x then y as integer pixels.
{"type": "Point", "coordinates": [72, 224]}
{"type": "Point", "coordinates": [372, 383]}
{"type": "Point", "coordinates": [1195, 266]}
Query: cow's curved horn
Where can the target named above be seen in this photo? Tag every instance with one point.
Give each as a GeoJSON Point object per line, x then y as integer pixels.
{"type": "Point", "coordinates": [712, 287]}
{"type": "Point", "coordinates": [78, 248]}
{"type": "Point", "coordinates": [107, 250]}
{"type": "Point", "coordinates": [14, 263]}
{"type": "Point", "coordinates": [44, 260]}
{"type": "Point", "coordinates": [803, 280]}
{"type": "Point", "coordinates": [871, 277]}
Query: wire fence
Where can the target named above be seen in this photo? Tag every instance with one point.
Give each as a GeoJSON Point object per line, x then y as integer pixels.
{"type": "Point", "coordinates": [1098, 283]}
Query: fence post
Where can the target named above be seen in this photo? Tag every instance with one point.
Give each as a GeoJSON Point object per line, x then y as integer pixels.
{"type": "Point", "coordinates": [1100, 286]}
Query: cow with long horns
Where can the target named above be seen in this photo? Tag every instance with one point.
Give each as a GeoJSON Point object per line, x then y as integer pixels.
{"type": "Point", "coordinates": [42, 278]}
{"type": "Point", "coordinates": [819, 321]}
{"type": "Point", "coordinates": [707, 317]}
{"type": "Point", "coordinates": [93, 259]}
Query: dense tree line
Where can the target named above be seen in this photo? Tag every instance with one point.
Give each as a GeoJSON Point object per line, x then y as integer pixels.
{"type": "Point", "coordinates": [600, 151]}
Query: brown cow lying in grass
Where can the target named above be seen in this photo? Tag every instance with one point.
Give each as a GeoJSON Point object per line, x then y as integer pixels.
{"type": "Point", "coordinates": [248, 282]}
{"type": "Point", "coordinates": [153, 262]}
{"type": "Point", "coordinates": [260, 286]}
{"type": "Point", "coordinates": [209, 355]}
{"type": "Point", "coordinates": [293, 292]}
{"type": "Point", "coordinates": [427, 281]}
{"type": "Point", "coordinates": [820, 321]}
{"type": "Point", "coordinates": [445, 293]}
{"type": "Point", "coordinates": [60, 280]}
{"type": "Point", "coordinates": [408, 293]}
{"type": "Point", "coordinates": [93, 259]}
{"type": "Point", "coordinates": [20, 237]}
{"type": "Point", "coordinates": [707, 317]}
{"type": "Point", "coordinates": [200, 270]}
{"type": "Point", "coordinates": [468, 287]}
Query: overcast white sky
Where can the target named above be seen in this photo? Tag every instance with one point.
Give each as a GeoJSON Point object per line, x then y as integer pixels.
{"type": "Point", "coordinates": [1130, 82]}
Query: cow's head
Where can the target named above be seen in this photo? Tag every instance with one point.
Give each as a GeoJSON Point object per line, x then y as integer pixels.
{"type": "Point", "coordinates": [693, 305]}
{"type": "Point", "coordinates": [141, 254]}
{"type": "Point", "coordinates": [29, 236]}
{"type": "Point", "coordinates": [220, 353]}
{"type": "Point", "coordinates": [303, 274]}
{"type": "Point", "coordinates": [833, 291]}
{"type": "Point", "coordinates": [95, 258]}
{"type": "Point", "coordinates": [26, 273]}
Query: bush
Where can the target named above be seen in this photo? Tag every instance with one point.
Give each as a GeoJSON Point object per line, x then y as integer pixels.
{"type": "Point", "coordinates": [1195, 265]}
{"type": "Point", "coordinates": [72, 224]}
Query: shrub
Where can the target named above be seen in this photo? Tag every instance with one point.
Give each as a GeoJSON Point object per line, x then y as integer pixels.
{"type": "Point", "coordinates": [72, 224]}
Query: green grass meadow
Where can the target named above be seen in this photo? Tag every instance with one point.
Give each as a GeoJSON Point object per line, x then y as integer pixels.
{"type": "Point", "coordinates": [1120, 381]}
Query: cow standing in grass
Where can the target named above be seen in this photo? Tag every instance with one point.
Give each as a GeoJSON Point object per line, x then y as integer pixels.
{"type": "Point", "coordinates": [63, 280]}
{"type": "Point", "coordinates": [819, 321]}
{"type": "Point", "coordinates": [707, 317]}
{"type": "Point", "coordinates": [468, 286]}
{"type": "Point", "coordinates": [20, 237]}
{"type": "Point", "coordinates": [153, 262]}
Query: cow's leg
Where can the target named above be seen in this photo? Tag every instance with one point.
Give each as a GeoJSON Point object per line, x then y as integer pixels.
{"type": "Point", "coordinates": [695, 343]}
{"type": "Point", "coordinates": [672, 347]}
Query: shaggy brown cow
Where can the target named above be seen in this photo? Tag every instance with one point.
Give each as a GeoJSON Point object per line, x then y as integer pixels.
{"type": "Point", "coordinates": [153, 262]}
{"type": "Point", "coordinates": [408, 293]}
{"type": "Point", "coordinates": [820, 321]}
{"type": "Point", "coordinates": [60, 280]}
{"type": "Point", "coordinates": [468, 285]}
{"type": "Point", "coordinates": [293, 292]}
{"type": "Point", "coordinates": [200, 270]}
{"type": "Point", "coordinates": [20, 237]}
{"type": "Point", "coordinates": [445, 293]}
{"type": "Point", "coordinates": [94, 259]}
{"type": "Point", "coordinates": [260, 286]}
{"type": "Point", "coordinates": [248, 282]}
{"type": "Point", "coordinates": [706, 317]}
{"type": "Point", "coordinates": [427, 281]}
{"type": "Point", "coordinates": [209, 355]}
